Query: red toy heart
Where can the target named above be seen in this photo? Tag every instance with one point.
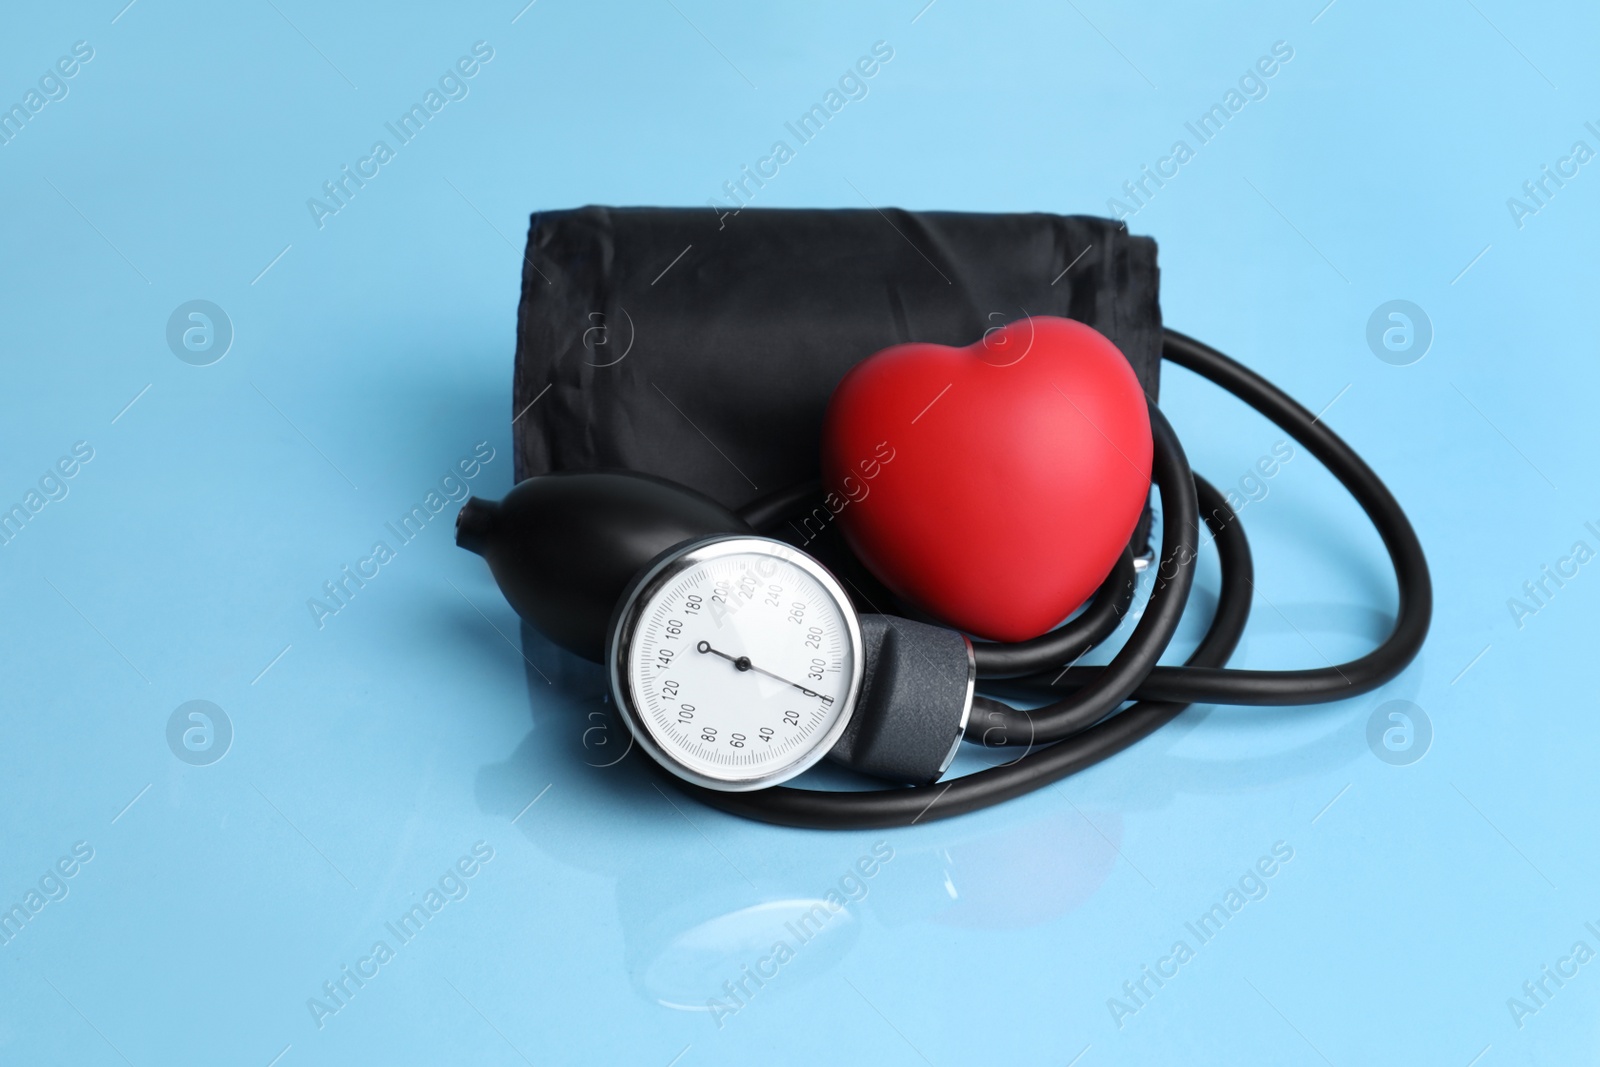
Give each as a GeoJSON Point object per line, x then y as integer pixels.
{"type": "Point", "coordinates": [993, 486]}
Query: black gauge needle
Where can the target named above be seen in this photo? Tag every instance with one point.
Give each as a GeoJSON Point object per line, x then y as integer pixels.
{"type": "Point", "coordinates": [742, 663]}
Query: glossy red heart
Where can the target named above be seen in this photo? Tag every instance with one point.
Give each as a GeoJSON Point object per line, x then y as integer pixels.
{"type": "Point", "coordinates": [994, 486]}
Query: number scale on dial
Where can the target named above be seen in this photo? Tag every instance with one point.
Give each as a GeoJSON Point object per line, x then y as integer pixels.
{"type": "Point", "coordinates": [739, 663]}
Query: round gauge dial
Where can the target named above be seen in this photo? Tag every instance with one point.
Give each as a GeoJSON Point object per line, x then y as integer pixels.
{"type": "Point", "coordinates": [736, 662]}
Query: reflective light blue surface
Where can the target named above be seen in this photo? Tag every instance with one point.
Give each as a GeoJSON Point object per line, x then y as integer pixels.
{"type": "Point", "coordinates": [393, 773]}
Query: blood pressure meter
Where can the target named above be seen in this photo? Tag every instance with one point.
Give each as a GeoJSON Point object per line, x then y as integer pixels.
{"type": "Point", "coordinates": [736, 662]}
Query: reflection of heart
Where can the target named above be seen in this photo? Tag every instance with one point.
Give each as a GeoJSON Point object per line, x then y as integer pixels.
{"type": "Point", "coordinates": [1020, 466]}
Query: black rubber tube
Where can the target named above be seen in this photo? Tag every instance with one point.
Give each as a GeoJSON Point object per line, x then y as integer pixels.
{"type": "Point", "coordinates": [1321, 684]}
{"type": "Point", "coordinates": [1087, 722]}
{"type": "Point", "coordinates": [1018, 659]}
{"type": "Point", "coordinates": [766, 511]}
{"type": "Point", "coordinates": [872, 809]}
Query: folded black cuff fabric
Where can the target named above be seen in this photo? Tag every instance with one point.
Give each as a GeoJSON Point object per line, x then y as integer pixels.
{"type": "Point", "coordinates": [702, 346]}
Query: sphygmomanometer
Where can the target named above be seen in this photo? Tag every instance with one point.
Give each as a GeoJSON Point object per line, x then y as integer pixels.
{"type": "Point", "coordinates": [964, 512]}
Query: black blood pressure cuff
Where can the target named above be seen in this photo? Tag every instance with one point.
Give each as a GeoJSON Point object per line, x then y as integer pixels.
{"type": "Point", "coordinates": [702, 345]}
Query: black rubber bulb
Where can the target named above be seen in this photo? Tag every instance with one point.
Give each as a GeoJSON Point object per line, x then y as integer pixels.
{"type": "Point", "coordinates": [564, 546]}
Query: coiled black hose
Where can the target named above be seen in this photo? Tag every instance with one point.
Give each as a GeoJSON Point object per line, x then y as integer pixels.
{"type": "Point", "coordinates": [1085, 726]}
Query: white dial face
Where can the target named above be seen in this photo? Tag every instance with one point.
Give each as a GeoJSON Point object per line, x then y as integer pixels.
{"type": "Point", "coordinates": [741, 664]}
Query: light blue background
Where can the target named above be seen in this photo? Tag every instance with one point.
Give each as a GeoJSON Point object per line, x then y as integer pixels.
{"type": "Point", "coordinates": [375, 352]}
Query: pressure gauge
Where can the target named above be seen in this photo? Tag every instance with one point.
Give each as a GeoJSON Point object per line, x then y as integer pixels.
{"type": "Point", "coordinates": [736, 661]}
